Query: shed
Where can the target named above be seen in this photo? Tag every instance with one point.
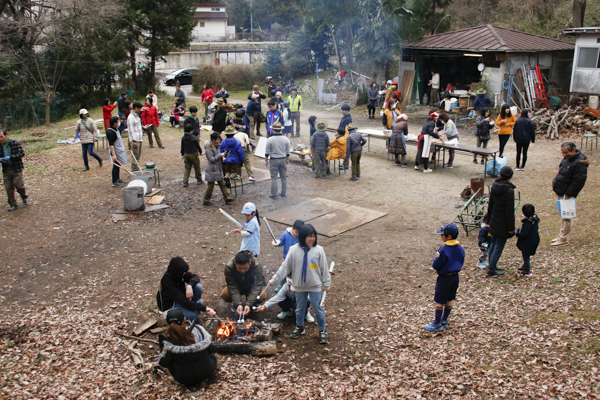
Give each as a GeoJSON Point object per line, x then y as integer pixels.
{"type": "Point", "coordinates": [585, 75]}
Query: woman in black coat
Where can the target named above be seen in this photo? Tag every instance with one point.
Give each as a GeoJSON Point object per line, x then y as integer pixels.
{"type": "Point", "coordinates": [523, 134]}
{"type": "Point", "coordinates": [501, 217]}
{"type": "Point", "coordinates": [484, 124]}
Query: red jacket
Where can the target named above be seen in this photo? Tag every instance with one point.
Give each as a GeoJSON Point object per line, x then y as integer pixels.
{"type": "Point", "coordinates": [207, 95]}
{"type": "Point", "coordinates": [107, 111]}
{"type": "Point", "coordinates": [150, 116]}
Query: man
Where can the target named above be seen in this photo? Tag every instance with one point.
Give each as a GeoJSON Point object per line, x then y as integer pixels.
{"type": "Point", "coordinates": [121, 105]}
{"type": "Point", "coordinates": [179, 96]}
{"type": "Point", "coordinates": [244, 277]}
{"type": "Point", "coordinates": [295, 101]}
{"type": "Point", "coordinates": [434, 82]}
{"type": "Point", "coordinates": [11, 157]}
{"type": "Point", "coordinates": [151, 122]}
{"type": "Point", "coordinates": [278, 150]}
{"type": "Point", "coordinates": [136, 135]}
{"type": "Point", "coordinates": [251, 109]}
{"type": "Point", "coordinates": [154, 98]}
{"type": "Point", "coordinates": [223, 94]}
{"type": "Point", "coordinates": [220, 118]}
{"type": "Point", "coordinates": [273, 115]}
{"type": "Point", "coordinates": [346, 117]}
{"type": "Point", "coordinates": [572, 174]}
{"type": "Point", "coordinates": [181, 289]}
{"type": "Point", "coordinates": [257, 113]}
{"type": "Point", "coordinates": [193, 120]}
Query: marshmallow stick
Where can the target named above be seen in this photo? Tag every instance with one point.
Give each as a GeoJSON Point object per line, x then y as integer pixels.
{"type": "Point", "coordinates": [229, 217]}
{"type": "Point", "coordinates": [270, 230]}
{"type": "Point", "coordinates": [261, 293]}
{"type": "Point", "coordinates": [325, 293]}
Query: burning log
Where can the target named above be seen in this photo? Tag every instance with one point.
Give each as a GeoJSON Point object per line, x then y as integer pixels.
{"type": "Point", "coordinates": [248, 337]}
{"type": "Point", "coordinates": [260, 349]}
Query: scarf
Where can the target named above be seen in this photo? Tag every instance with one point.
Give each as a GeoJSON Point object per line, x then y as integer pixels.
{"type": "Point", "coordinates": [305, 263]}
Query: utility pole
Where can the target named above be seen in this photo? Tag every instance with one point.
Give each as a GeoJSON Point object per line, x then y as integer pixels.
{"type": "Point", "coordinates": [251, 29]}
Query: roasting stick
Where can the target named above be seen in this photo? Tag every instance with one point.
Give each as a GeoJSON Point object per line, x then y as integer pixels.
{"type": "Point", "coordinates": [270, 231]}
{"type": "Point", "coordinates": [261, 293]}
{"type": "Point", "coordinates": [325, 293]}
{"type": "Point", "coordinates": [136, 161]}
{"type": "Point", "coordinates": [118, 164]}
{"type": "Point", "coordinates": [229, 217]}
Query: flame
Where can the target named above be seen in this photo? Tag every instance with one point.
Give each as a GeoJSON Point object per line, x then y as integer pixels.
{"type": "Point", "coordinates": [249, 325]}
{"type": "Point", "coordinates": [226, 330]}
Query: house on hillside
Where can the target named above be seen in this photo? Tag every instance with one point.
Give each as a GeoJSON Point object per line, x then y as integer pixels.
{"type": "Point", "coordinates": [585, 76]}
{"type": "Point", "coordinates": [211, 23]}
{"type": "Point", "coordinates": [490, 52]}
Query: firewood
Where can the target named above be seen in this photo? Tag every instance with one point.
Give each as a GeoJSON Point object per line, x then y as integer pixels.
{"type": "Point", "coordinates": [144, 327]}
{"type": "Point", "coordinates": [259, 349]}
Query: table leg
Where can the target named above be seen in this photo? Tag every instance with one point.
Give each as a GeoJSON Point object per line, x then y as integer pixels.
{"type": "Point", "coordinates": [369, 143]}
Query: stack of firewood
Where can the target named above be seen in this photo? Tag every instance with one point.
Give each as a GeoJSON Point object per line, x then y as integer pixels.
{"type": "Point", "coordinates": [571, 120]}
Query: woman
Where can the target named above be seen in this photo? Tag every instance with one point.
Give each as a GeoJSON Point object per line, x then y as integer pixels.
{"type": "Point", "coordinates": [287, 119]}
{"type": "Point", "coordinates": [87, 131]}
{"type": "Point", "coordinates": [116, 150]}
{"type": "Point", "coordinates": [176, 114]}
{"type": "Point", "coordinates": [128, 106]}
{"type": "Point", "coordinates": [307, 264]}
{"type": "Point", "coordinates": [523, 134]}
{"type": "Point", "coordinates": [372, 94]}
{"type": "Point", "coordinates": [389, 115]}
{"type": "Point", "coordinates": [397, 144]}
{"type": "Point", "coordinates": [186, 350]}
{"type": "Point", "coordinates": [207, 97]}
{"type": "Point", "coordinates": [107, 112]}
{"type": "Point", "coordinates": [428, 133]}
{"type": "Point", "coordinates": [484, 123]}
{"type": "Point", "coordinates": [505, 122]}
{"type": "Point", "coordinates": [451, 133]}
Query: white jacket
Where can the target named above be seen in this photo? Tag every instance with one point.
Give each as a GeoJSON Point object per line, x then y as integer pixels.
{"type": "Point", "coordinates": [134, 126]}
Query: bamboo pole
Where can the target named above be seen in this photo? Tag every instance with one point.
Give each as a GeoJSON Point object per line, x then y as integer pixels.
{"type": "Point", "coordinates": [136, 161]}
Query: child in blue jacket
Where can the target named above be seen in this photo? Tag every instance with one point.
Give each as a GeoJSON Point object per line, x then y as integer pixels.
{"type": "Point", "coordinates": [234, 155]}
{"type": "Point", "coordinates": [448, 263]}
{"type": "Point", "coordinates": [528, 237]}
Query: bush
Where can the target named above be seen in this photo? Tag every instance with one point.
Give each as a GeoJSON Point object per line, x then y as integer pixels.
{"type": "Point", "coordinates": [232, 77]}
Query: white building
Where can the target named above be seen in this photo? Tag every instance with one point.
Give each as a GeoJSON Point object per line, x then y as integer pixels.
{"type": "Point", "coordinates": [211, 22]}
{"type": "Point", "coordinates": [585, 78]}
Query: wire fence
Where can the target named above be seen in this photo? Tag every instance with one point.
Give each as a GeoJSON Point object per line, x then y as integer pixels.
{"type": "Point", "coordinates": [26, 113]}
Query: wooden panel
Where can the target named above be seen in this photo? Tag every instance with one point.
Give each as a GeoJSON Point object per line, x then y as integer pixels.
{"type": "Point", "coordinates": [343, 220]}
{"type": "Point", "coordinates": [305, 211]}
{"type": "Point", "coordinates": [406, 88]}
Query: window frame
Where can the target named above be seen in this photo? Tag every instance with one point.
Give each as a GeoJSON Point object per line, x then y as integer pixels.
{"type": "Point", "coordinates": [588, 47]}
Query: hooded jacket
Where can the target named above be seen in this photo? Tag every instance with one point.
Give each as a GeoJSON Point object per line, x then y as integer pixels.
{"type": "Point", "coordinates": [501, 209]}
{"type": "Point", "coordinates": [354, 142]}
{"type": "Point", "coordinates": [524, 131]}
{"type": "Point", "coordinates": [529, 237]}
{"type": "Point", "coordinates": [213, 172]}
{"type": "Point", "coordinates": [338, 148]}
{"type": "Point", "coordinates": [372, 93]}
{"type": "Point", "coordinates": [237, 152]}
{"type": "Point", "coordinates": [250, 283]}
{"type": "Point", "coordinates": [190, 144]}
{"type": "Point", "coordinates": [572, 174]}
{"type": "Point", "coordinates": [172, 286]}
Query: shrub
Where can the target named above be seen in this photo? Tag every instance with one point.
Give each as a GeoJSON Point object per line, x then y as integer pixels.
{"type": "Point", "coordinates": [233, 77]}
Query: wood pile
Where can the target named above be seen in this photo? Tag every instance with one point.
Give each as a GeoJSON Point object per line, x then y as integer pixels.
{"type": "Point", "coordinates": [566, 121]}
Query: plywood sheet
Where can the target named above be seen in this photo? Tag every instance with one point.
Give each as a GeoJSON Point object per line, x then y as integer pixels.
{"type": "Point", "coordinates": [261, 147]}
{"type": "Point", "coordinates": [305, 211]}
{"type": "Point", "coordinates": [259, 174]}
{"type": "Point", "coordinates": [155, 200]}
{"type": "Point", "coordinates": [344, 219]}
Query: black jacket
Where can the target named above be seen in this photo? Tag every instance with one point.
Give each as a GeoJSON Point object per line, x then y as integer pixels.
{"type": "Point", "coordinates": [501, 209]}
{"type": "Point", "coordinates": [529, 237]}
{"type": "Point", "coordinates": [524, 131]}
{"type": "Point", "coordinates": [572, 174]}
{"type": "Point", "coordinates": [189, 364]}
{"type": "Point", "coordinates": [219, 120]}
{"type": "Point", "coordinates": [16, 155]}
{"type": "Point", "coordinates": [190, 144]}
{"type": "Point", "coordinates": [195, 122]}
{"type": "Point", "coordinates": [429, 129]}
{"type": "Point", "coordinates": [172, 286]}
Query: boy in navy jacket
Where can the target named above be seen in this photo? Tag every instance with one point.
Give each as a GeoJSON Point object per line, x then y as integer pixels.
{"type": "Point", "coordinates": [529, 238]}
{"type": "Point", "coordinates": [448, 263]}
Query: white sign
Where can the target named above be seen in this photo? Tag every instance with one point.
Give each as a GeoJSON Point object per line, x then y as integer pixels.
{"type": "Point", "coordinates": [261, 147]}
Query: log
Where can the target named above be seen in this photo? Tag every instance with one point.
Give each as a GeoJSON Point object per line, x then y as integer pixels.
{"type": "Point", "coordinates": [144, 327]}
{"type": "Point", "coordinates": [260, 349]}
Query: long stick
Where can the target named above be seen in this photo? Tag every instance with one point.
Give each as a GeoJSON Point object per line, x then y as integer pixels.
{"type": "Point", "coordinates": [270, 230]}
{"type": "Point", "coordinates": [123, 167]}
{"type": "Point", "coordinates": [229, 217]}
{"type": "Point", "coordinates": [136, 161]}
{"type": "Point", "coordinates": [258, 297]}
{"type": "Point", "coordinates": [325, 293]}
{"type": "Point", "coordinates": [136, 338]}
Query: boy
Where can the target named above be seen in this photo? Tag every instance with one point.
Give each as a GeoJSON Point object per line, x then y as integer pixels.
{"type": "Point", "coordinates": [273, 115]}
{"type": "Point", "coordinates": [190, 148]}
{"type": "Point", "coordinates": [354, 145]}
{"type": "Point", "coordinates": [448, 263]}
{"type": "Point", "coordinates": [289, 237]}
{"type": "Point", "coordinates": [235, 156]}
{"type": "Point", "coordinates": [529, 238]}
{"type": "Point", "coordinates": [346, 117]}
{"type": "Point", "coordinates": [193, 119]}
{"type": "Point", "coordinates": [319, 144]}
{"type": "Point", "coordinates": [122, 125]}
{"type": "Point", "coordinates": [214, 172]}
{"type": "Point", "coordinates": [485, 237]}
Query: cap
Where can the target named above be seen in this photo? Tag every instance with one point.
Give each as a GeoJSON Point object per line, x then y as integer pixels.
{"type": "Point", "coordinates": [277, 126]}
{"type": "Point", "coordinates": [219, 100]}
{"type": "Point", "coordinates": [448, 229]}
{"type": "Point", "coordinates": [506, 172]}
{"type": "Point", "coordinates": [322, 125]}
{"type": "Point", "coordinates": [434, 115]}
{"type": "Point", "coordinates": [254, 96]}
{"type": "Point", "coordinates": [346, 107]}
{"type": "Point", "coordinates": [278, 93]}
{"type": "Point", "coordinates": [175, 315]}
{"type": "Point", "coordinates": [249, 208]}
{"type": "Point", "coordinates": [389, 82]}
{"type": "Point", "coordinates": [83, 111]}
{"type": "Point", "coordinates": [351, 127]}
{"type": "Point", "coordinates": [286, 104]}
{"type": "Point", "coordinates": [255, 87]}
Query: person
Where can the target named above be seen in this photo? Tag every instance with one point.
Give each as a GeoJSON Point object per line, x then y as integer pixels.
{"type": "Point", "coordinates": [271, 87]}
{"type": "Point", "coordinates": [528, 238]}
{"type": "Point", "coordinates": [295, 101]}
{"type": "Point", "coordinates": [220, 120]}
{"type": "Point", "coordinates": [286, 117]}
{"type": "Point", "coordinates": [222, 94]}
{"type": "Point", "coordinates": [122, 125]}
{"type": "Point", "coordinates": [194, 121]}
{"type": "Point", "coordinates": [177, 112]}
{"type": "Point", "coordinates": [244, 282]}
{"type": "Point", "coordinates": [11, 157]}
{"type": "Point", "coordinates": [397, 143]}
{"type": "Point", "coordinates": [151, 122]}
{"type": "Point", "coordinates": [190, 148]}
{"type": "Point", "coordinates": [214, 172]}
{"type": "Point", "coordinates": [372, 95]}
{"type": "Point", "coordinates": [107, 112]}
{"type": "Point", "coordinates": [278, 152]}
{"type": "Point", "coordinates": [337, 147]}
{"type": "Point", "coordinates": [255, 121]}
{"type": "Point", "coordinates": [448, 263]}
{"type": "Point", "coordinates": [428, 132]}
{"type": "Point", "coordinates": [87, 131]}
{"type": "Point", "coordinates": [240, 122]}
{"type": "Point", "coordinates": [571, 177]}
{"type": "Point", "coordinates": [501, 218]}
{"type": "Point", "coordinates": [389, 115]}
{"type": "Point", "coordinates": [319, 144]}
{"type": "Point", "coordinates": [116, 151]}
{"type": "Point", "coordinates": [346, 117]}
{"type": "Point", "coordinates": [307, 264]}
{"type": "Point", "coordinates": [207, 97]}
{"type": "Point", "coordinates": [242, 137]}
{"type": "Point", "coordinates": [505, 122]}
{"type": "Point", "coordinates": [272, 116]}
{"type": "Point", "coordinates": [286, 299]}
{"type": "Point", "coordinates": [483, 241]}
{"type": "Point", "coordinates": [127, 106]}
{"type": "Point", "coordinates": [234, 156]}
{"type": "Point", "coordinates": [481, 101]}
{"type": "Point", "coordinates": [251, 229]}
{"type": "Point", "coordinates": [179, 288]}
{"type": "Point", "coordinates": [484, 124]}
{"type": "Point", "coordinates": [252, 109]}
{"type": "Point", "coordinates": [153, 97]}
{"type": "Point", "coordinates": [451, 134]}
{"type": "Point", "coordinates": [354, 144]}
{"type": "Point", "coordinates": [278, 101]}
{"type": "Point", "coordinates": [434, 84]}
{"type": "Point", "coordinates": [523, 134]}
{"type": "Point", "coordinates": [289, 237]}
{"type": "Point", "coordinates": [136, 135]}
{"type": "Point", "coordinates": [185, 350]}
{"type": "Point", "coordinates": [121, 105]}
{"type": "Point", "coordinates": [311, 122]}
{"type": "Point", "coordinates": [179, 95]}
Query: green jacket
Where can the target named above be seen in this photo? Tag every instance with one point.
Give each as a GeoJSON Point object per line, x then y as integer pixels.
{"type": "Point", "coordinates": [249, 284]}
{"type": "Point", "coordinates": [295, 103]}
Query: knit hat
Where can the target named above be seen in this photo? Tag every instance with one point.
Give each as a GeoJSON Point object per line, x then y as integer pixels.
{"type": "Point", "coordinates": [255, 87]}
{"type": "Point", "coordinates": [277, 126]}
{"type": "Point", "coordinates": [346, 107]}
{"type": "Point", "coordinates": [351, 127]}
{"type": "Point", "coordinates": [229, 130]}
{"type": "Point", "coordinates": [506, 172]}
{"type": "Point", "coordinates": [322, 125]}
{"type": "Point", "coordinates": [278, 93]}
{"type": "Point", "coordinates": [175, 315]}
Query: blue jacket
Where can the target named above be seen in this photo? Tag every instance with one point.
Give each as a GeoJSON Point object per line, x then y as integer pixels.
{"type": "Point", "coordinates": [346, 119]}
{"type": "Point", "coordinates": [529, 237]}
{"type": "Point", "coordinates": [319, 141]}
{"type": "Point", "coordinates": [237, 152]}
{"type": "Point", "coordinates": [450, 258]}
{"type": "Point", "coordinates": [481, 101]}
{"type": "Point", "coordinates": [260, 97]}
{"type": "Point", "coordinates": [252, 107]}
{"type": "Point", "coordinates": [271, 118]}
{"type": "Point", "coordinates": [287, 240]}
{"type": "Point", "coordinates": [484, 236]}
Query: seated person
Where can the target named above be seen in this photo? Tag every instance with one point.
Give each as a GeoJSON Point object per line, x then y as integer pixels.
{"type": "Point", "coordinates": [177, 112]}
{"type": "Point", "coordinates": [244, 277]}
{"type": "Point", "coordinates": [286, 300]}
{"type": "Point", "coordinates": [179, 288]}
{"type": "Point", "coordinates": [186, 350]}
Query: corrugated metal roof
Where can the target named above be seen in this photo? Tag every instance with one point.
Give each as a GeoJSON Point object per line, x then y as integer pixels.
{"type": "Point", "coordinates": [486, 38]}
{"type": "Point", "coordinates": [210, 15]}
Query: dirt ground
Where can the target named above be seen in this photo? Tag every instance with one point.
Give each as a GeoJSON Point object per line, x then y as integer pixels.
{"type": "Point", "coordinates": [70, 275]}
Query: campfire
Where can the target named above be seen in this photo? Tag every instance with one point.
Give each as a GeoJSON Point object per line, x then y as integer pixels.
{"type": "Point", "coordinates": [243, 337]}
{"type": "Point", "coordinates": [235, 331]}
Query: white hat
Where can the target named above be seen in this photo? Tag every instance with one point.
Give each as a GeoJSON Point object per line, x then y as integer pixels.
{"type": "Point", "coordinates": [254, 95]}
{"type": "Point", "coordinates": [83, 111]}
{"type": "Point", "coordinates": [389, 82]}
{"type": "Point", "coordinates": [249, 208]}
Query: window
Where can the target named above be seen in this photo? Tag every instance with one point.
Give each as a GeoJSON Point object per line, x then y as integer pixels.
{"type": "Point", "coordinates": [215, 9]}
{"type": "Point", "coordinates": [201, 24]}
{"type": "Point", "coordinates": [588, 57]}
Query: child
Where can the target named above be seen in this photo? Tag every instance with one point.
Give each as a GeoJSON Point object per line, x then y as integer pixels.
{"type": "Point", "coordinates": [214, 172]}
{"type": "Point", "coordinates": [485, 237]}
{"type": "Point", "coordinates": [176, 113]}
{"type": "Point", "coordinates": [190, 148]}
{"type": "Point", "coordinates": [529, 237]}
{"type": "Point", "coordinates": [287, 119]}
{"type": "Point", "coordinates": [122, 125]}
{"type": "Point", "coordinates": [354, 144]}
{"type": "Point", "coordinates": [337, 148]}
{"type": "Point", "coordinates": [193, 119]}
{"type": "Point", "coordinates": [448, 263]}
{"type": "Point", "coordinates": [311, 121]}
{"type": "Point", "coordinates": [319, 144]}
{"type": "Point", "coordinates": [242, 137]}
{"type": "Point", "coordinates": [273, 115]}
{"type": "Point", "coordinates": [287, 239]}
{"type": "Point", "coordinates": [251, 232]}
{"type": "Point", "coordinates": [286, 299]}
{"type": "Point", "coordinates": [235, 156]}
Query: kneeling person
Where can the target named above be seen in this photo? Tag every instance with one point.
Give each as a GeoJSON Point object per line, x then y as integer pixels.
{"type": "Point", "coordinates": [244, 277]}
{"type": "Point", "coordinates": [286, 300]}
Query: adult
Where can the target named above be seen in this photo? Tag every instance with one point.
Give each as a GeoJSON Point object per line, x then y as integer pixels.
{"type": "Point", "coordinates": [220, 121]}
{"type": "Point", "coordinates": [107, 110]}
{"type": "Point", "coordinates": [434, 84]}
{"type": "Point", "coordinates": [501, 218]}
{"type": "Point", "coordinates": [121, 105]}
{"type": "Point", "coordinates": [278, 152]}
{"type": "Point", "coordinates": [251, 110]}
{"type": "Point", "coordinates": [397, 143]}
{"type": "Point", "coordinates": [214, 170]}
{"type": "Point", "coordinates": [523, 134]}
{"type": "Point", "coordinates": [179, 288]}
{"type": "Point", "coordinates": [87, 131]}
{"type": "Point", "coordinates": [295, 101]}
{"type": "Point", "coordinates": [278, 101]}
{"type": "Point", "coordinates": [571, 177]}
{"type": "Point", "coordinates": [372, 95]}
{"type": "Point", "coordinates": [256, 116]}
{"type": "Point", "coordinates": [11, 157]}
{"type": "Point", "coordinates": [484, 124]}
{"type": "Point", "coordinates": [319, 144]}
{"type": "Point", "coordinates": [428, 133]}
{"type": "Point", "coordinates": [271, 87]}
{"type": "Point", "coordinates": [151, 122]}
{"type": "Point", "coordinates": [153, 97]}
{"type": "Point", "coordinates": [451, 134]}
{"type": "Point", "coordinates": [179, 95]}
{"type": "Point", "coordinates": [116, 151]}
{"type": "Point", "coordinates": [505, 122]}
{"type": "Point", "coordinates": [127, 106]}
{"type": "Point", "coordinates": [244, 282]}
{"type": "Point", "coordinates": [136, 134]}
{"type": "Point", "coordinates": [222, 94]}
{"type": "Point", "coordinates": [207, 97]}
{"type": "Point", "coordinates": [346, 117]}
{"type": "Point", "coordinates": [481, 101]}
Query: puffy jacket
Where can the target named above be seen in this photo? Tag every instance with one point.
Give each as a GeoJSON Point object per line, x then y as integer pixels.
{"type": "Point", "coordinates": [529, 237]}
{"type": "Point", "coordinates": [214, 172]}
{"type": "Point", "coordinates": [572, 174]}
{"type": "Point", "coordinates": [346, 119]}
{"type": "Point", "coordinates": [250, 283]}
{"type": "Point", "coordinates": [501, 209]}
{"type": "Point", "coordinates": [354, 142]}
{"type": "Point", "coordinates": [372, 93]}
{"type": "Point", "coordinates": [483, 128]}
{"type": "Point", "coordinates": [219, 120]}
{"type": "Point", "coordinates": [88, 132]}
{"type": "Point", "coordinates": [252, 107]}
{"type": "Point", "coordinates": [338, 148]}
{"type": "Point", "coordinates": [319, 141]}
{"type": "Point", "coordinates": [510, 122]}
{"type": "Point", "coordinates": [524, 131]}
{"type": "Point", "coordinates": [236, 155]}
{"type": "Point", "coordinates": [172, 286]}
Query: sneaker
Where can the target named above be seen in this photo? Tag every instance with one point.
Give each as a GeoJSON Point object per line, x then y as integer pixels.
{"type": "Point", "coordinates": [554, 240]}
{"type": "Point", "coordinates": [282, 195]}
{"type": "Point", "coordinates": [251, 179]}
{"type": "Point", "coordinates": [299, 330]}
{"type": "Point", "coordinates": [121, 181]}
{"type": "Point", "coordinates": [481, 265]}
{"type": "Point", "coordinates": [100, 163]}
{"type": "Point", "coordinates": [208, 203]}
{"type": "Point", "coordinates": [309, 318]}
{"type": "Point", "coordinates": [284, 314]}
{"type": "Point", "coordinates": [433, 327]}
{"type": "Point", "coordinates": [229, 201]}
{"type": "Point", "coordinates": [323, 337]}
{"type": "Point", "coordinates": [258, 134]}
{"type": "Point", "coordinates": [237, 177]}
{"type": "Point", "coordinates": [26, 202]}
{"type": "Point", "coordinates": [520, 269]}
{"type": "Point", "coordinates": [517, 169]}
{"type": "Point", "coordinates": [86, 169]}
{"type": "Point", "coordinates": [199, 182]}
{"type": "Point", "coordinates": [444, 324]}
{"type": "Point", "coordinates": [186, 184]}
{"type": "Point", "coordinates": [323, 176]}
{"type": "Point", "coordinates": [278, 288]}
{"type": "Point", "coordinates": [117, 184]}
{"type": "Point", "coordinates": [317, 177]}
{"type": "Point", "coordinates": [397, 163]}
{"type": "Point", "coordinates": [493, 273]}
{"type": "Point", "coordinates": [227, 183]}
{"type": "Point", "coordinates": [560, 242]}
{"type": "Point", "coordinates": [404, 165]}
{"type": "Point", "coordinates": [176, 126]}
{"type": "Point", "coordinates": [482, 162]}
{"type": "Point", "coordinates": [272, 197]}
{"type": "Point", "coordinates": [448, 166]}
{"type": "Point", "coordinates": [427, 171]}
{"type": "Point", "coordinates": [475, 162]}
{"type": "Point", "coordinates": [358, 176]}
{"type": "Point", "coordinates": [524, 273]}
{"type": "Point", "coordinates": [13, 208]}
{"type": "Point", "coordinates": [417, 167]}
{"type": "Point", "coordinates": [353, 179]}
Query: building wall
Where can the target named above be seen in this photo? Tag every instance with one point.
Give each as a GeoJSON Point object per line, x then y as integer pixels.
{"type": "Point", "coordinates": [585, 80]}
{"type": "Point", "coordinates": [192, 59]}
{"type": "Point", "coordinates": [213, 30]}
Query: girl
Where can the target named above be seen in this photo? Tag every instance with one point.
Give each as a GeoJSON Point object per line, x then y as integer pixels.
{"type": "Point", "coordinates": [390, 115]}
{"type": "Point", "coordinates": [207, 97]}
{"type": "Point", "coordinates": [528, 237]}
{"type": "Point", "coordinates": [307, 264]}
{"type": "Point", "coordinates": [505, 121]}
{"type": "Point", "coordinates": [428, 132]}
{"type": "Point", "coordinates": [287, 120]}
{"type": "Point", "coordinates": [523, 134]}
{"type": "Point", "coordinates": [88, 134]}
{"type": "Point", "coordinates": [107, 112]}
{"type": "Point", "coordinates": [251, 232]}
{"type": "Point", "coordinates": [397, 144]}
{"type": "Point", "coordinates": [116, 150]}
{"type": "Point", "coordinates": [451, 133]}
{"type": "Point", "coordinates": [372, 93]}
{"type": "Point", "coordinates": [185, 350]}
{"type": "Point", "coordinates": [484, 123]}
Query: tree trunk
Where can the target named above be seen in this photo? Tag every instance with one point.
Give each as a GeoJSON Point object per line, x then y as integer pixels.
{"type": "Point", "coordinates": [48, 97]}
{"type": "Point", "coordinates": [256, 349]}
{"type": "Point", "coordinates": [152, 72]}
{"type": "Point", "coordinates": [133, 67]}
{"type": "Point", "coordinates": [337, 54]}
{"type": "Point", "coordinates": [349, 41]}
{"type": "Point", "coordinates": [578, 13]}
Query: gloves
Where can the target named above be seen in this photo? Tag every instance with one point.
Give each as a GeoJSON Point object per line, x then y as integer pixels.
{"type": "Point", "coordinates": [5, 159]}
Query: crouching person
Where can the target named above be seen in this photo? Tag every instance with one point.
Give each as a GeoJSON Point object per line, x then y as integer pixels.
{"type": "Point", "coordinates": [244, 277]}
{"type": "Point", "coordinates": [286, 299]}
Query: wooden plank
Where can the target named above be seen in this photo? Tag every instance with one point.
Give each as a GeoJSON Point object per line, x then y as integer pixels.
{"type": "Point", "coordinates": [591, 111]}
{"type": "Point", "coordinates": [343, 220]}
{"type": "Point", "coordinates": [406, 88]}
{"type": "Point", "coordinates": [144, 327]}
{"type": "Point", "coordinates": [155, 200]}
{"type": "Point", "coordinates": [152, 193]}
{"type": "Point", "coordinates": [153, 207]}
{"type": "Point", "coordinates": [305, 211]}
{"type": "Point", "coordinates": [159, 329]}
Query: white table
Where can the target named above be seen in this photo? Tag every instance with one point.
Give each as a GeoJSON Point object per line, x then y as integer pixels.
{"type": "Point", "coordinates": [374, 133]}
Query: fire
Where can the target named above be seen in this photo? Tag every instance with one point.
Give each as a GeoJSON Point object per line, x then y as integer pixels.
{"type": "Point", "coordinates": [226, 330]}
{"type": "Point", "coordinates": [249, 325]}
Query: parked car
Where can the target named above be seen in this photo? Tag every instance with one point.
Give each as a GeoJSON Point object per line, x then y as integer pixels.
{"type": "Point", "coordinates": [181, 76]}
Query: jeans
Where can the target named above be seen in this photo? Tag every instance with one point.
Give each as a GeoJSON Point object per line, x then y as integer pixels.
{"type": "Point", "coordinates": [88, 148]}
{"type": "Point", "coordinates": [301, 307]}
{"type": "Point", "coordinates": [503, 140]}
{"type": "Point", "coordinates": [526, 262]}
{"type": "Point", "coordinates": [190, 315]}
{"type": "Point", "coordinates": [278, 167]}
{"type": "Point", "coordinates": [495, 251]}
{"type": "Point", "coordinates": [522, 147]}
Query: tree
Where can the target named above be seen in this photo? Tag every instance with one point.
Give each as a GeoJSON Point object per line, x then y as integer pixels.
{"type": "Point", "coordinates": [429, 17]}
{"type": "Point", "coordinates": [238, 13]}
